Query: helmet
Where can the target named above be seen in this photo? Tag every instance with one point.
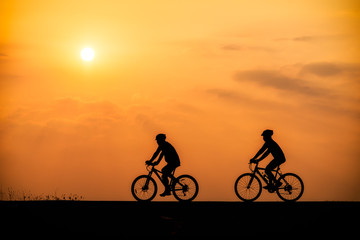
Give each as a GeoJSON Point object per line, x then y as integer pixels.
{"type": "Point", "coordinates": [267, 132]}
{"type": "Point", "coordinates": [160, 137]}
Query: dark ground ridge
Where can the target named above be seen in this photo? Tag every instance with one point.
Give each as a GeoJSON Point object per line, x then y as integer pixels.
{"type": "Point", "coordinates": [176, 220]}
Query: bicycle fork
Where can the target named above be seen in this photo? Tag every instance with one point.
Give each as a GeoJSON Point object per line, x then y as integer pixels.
{"type": "Point", "coordinates": [146, 186]}
{"type": "Point", "coordinates": [251, 180]}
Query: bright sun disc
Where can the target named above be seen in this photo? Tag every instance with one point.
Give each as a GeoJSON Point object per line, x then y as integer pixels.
{"type": "Point", "coordinates": [87, 54]}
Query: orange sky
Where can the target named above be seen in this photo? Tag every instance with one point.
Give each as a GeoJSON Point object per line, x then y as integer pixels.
{"type": "Point", "coordinates": [212, 75]}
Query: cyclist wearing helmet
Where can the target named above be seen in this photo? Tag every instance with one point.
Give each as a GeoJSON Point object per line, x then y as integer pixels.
{"type": "Point", "coordinates": [166, 150]}
{"type": "Point", "coordinates": [270, 146]}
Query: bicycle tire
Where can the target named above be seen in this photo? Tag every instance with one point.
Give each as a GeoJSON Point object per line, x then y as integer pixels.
{"type": "Point", "coordinates": [245, 193]}
{"type": "Point", "coordinates": [185, 188]}
{"type": "Point", "coordinates": [142, 193]}
{"type": "Point", "coordinates": [290, 182]}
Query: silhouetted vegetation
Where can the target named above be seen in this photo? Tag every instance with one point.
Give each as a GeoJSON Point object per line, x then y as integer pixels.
{"type": "Point", "coordinates": [11, 194]}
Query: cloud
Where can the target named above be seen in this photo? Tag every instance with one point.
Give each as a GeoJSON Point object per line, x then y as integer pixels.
{"type": "Point", "coordinates": [305, 38]}
{"type": "Point", "coordinates": [329, 69]}
{"type": "Point", "coordinates": [231, 95]}
{"type": "Point", "coordinates": [75, 120]}
{"type": "Point", "coordinates": [241, 48]}
{"type": "Point", "coordinates": [313, 38]}
{"type": "Point", "coordinates": [67, 119]}
{"type": "Point", "coordinates": [309, 38]}
{"type": "Point", "coordinates": [308, 86]}
{"type": "Point", "coordinates": [226, 93]}
{"type": "Point", "coordinates": [322, 69]}
{"type": "Point", "coordinates": [57, 141]}
{"type": "Point", "coordinates": [71, 107]}
{"type": "Point", "coordinates": [260, 104]}
{"type": "Point", "coordinates": [237, 47]}
{"type": "Point", "coordinates": [276, 80]}
{"type": "Point", "coordinates": [232, 47]}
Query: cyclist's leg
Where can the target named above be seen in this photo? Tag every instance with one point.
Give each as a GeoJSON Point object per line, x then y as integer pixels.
{"type": "Point", "coordinates": [271, 166]}
{"type": "Point", "coordinates": [166, 173]}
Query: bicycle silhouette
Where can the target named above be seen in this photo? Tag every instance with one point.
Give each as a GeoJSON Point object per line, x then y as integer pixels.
{"type": "Point", "coordinates": [144, 187]}
{"type": "Point", "coordinates": [248, 186]}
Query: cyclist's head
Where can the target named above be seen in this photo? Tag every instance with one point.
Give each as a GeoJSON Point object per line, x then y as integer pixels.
{"type": "Point", "coordinates": [267, 134]}
{"type": "Point", "coordinates": [160, 137]}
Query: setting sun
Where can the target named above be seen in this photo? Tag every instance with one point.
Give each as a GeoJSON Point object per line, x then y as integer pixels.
{"type": "Point", "coordinates": [87, 54]}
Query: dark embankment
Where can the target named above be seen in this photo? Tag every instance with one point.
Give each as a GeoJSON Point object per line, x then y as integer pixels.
{"type": "Point", "coordinates": [178, 220]}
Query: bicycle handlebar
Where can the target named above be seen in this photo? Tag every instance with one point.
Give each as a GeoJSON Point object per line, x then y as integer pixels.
{"type": "Point", "coordinates": [250, 165]}
{"type": "Point", "coordinates": [148, 166]}
{"type": "Point", "coordinates": [151, 164]}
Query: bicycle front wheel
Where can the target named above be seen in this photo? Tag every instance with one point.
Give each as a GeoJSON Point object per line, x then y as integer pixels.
{"type": "Point", "coordinates": [248, 187]}
{"type": "Point", "coordinates": [292, 187]}
{"type": "Point", "coordinates": [144, 188]}
{"type": "Point", "coordinates": [185, 188]}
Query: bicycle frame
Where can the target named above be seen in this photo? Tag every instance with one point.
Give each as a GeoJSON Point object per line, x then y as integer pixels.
{"type": "Point", "coordinates": [157, 173]}
{"type": "Point", "coordinates": [262, 176]}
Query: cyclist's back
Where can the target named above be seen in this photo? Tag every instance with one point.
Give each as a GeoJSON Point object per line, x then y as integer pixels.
{"type": "Point", "coordinates": [170, 154]}
{"type": "Point", "coordinates": [275, 150]}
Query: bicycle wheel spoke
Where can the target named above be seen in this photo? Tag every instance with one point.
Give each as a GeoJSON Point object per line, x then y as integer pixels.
{"type": "Point", "coordinates": [185, 188]}
{"type": "Point", "coordinates": [246, 191]}
{"type": "Point", "coordinates": [292, 188]}
{"type": "Point", "coordinates": [144, 188]}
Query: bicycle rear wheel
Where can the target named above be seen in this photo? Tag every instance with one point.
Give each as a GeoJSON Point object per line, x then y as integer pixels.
{"type": "Point", "coordinates": [248, 187]}
{"type": "Point", "coordinates": [292, 187]}
{"type": "Point", "coordinates": [144, 188]}
{"type": "Point", "coordinates": [185, 188]}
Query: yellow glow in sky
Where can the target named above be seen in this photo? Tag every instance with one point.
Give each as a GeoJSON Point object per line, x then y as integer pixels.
{"type": "Point", "coordinates": [87, 54]}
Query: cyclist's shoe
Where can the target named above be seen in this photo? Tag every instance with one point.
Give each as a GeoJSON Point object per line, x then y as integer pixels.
{"type": "Point", "coordinates": [278, 184]}
{"type": "Point", "coordinates": [269, 186]}
{"type": "Point", "coordinates": [165, 193]}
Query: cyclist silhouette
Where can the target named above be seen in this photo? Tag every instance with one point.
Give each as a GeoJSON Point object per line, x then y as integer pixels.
{"type": "Point", "coordinates": [270, 146]}
{"type": "Point", "coordinates": [171, 157]}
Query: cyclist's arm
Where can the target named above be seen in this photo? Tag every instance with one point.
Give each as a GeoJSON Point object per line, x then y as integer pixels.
{"type": "Point", "coordinates": [262, 149]}
{"type": "Point", "coordinates": [158, 150]}
{"type": "Point", "coordinates": [160, 157]}
{"type": "Point", "coordinates": [264, 155]}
